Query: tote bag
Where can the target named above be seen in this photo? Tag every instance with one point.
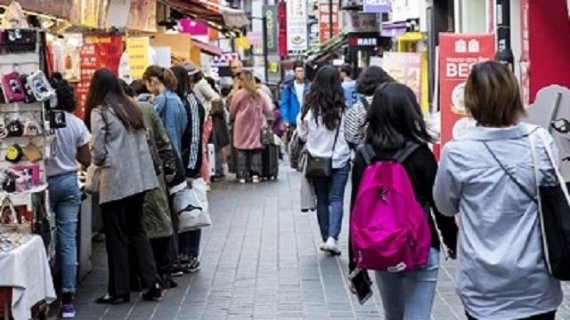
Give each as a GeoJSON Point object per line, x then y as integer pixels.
{"type": "Point", "coordinates": [191, 205]}
{"type": "Point", "coordinates": [554, 216]}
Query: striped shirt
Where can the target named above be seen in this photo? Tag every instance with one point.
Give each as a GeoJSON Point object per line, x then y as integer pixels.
{"type": "Point", "coordinates": [195, 126]}
{"type": "Point", "coordinates": [355, 124]}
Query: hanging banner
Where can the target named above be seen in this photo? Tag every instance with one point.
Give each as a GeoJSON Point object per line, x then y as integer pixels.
{"type": "Point", "coordinates": [325, 22]}
{"type": "Point", "coordinates": [458, 54]}
{"type": "Point", "coordinates": [138, 52]}
{"type": "Point", "coordinates": [406, 68]}
{"type": "Point", "coordinates": [97, 52]}
{"type": "Point", "coordinates": [282, 14]}
{"type": "Point", "coordinates": [525, 53]}
{"type": "Point", "coordinates": [270, 14]}
{"type": "Point", "coordinates": [297, 31]}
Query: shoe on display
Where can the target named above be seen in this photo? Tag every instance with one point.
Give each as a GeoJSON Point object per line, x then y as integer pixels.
{"type": "Point", "coordinates": [67, 311]}
{"type": "Point", "coordinates": [332, 246]}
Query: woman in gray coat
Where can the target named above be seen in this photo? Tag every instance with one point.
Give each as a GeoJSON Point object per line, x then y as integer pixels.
{"type": "Point", "coordinates": [119, 147]}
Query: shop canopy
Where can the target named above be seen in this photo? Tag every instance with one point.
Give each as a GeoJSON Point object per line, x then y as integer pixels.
{"type": "Point", "coordinates": [213, 13]}
{"type": "Point", "coordinates": [327, 49]}
{"type": "Point", "coordinates": [207, 48]}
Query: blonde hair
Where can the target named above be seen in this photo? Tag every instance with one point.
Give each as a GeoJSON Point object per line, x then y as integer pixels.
{"type": "Point", "coordinates": [248, 82]}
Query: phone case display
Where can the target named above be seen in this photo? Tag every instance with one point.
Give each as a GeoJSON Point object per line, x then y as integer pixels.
{"type": "Point", "coordinates": [26, 135]}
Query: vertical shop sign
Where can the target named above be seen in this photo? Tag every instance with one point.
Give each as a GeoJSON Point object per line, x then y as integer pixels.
{"type": "Point", "coordinates": [458, 54]}
{"type": "Point", "coordinates": [137, 50]}
{"type": "Point", "coordinates": [405, 68]}
{"type": "Point", "coordinates": [325, 20]}
{"type": "Point", "coordinates": [282, 14]}
{"type": "Point", "coordinates": [525, 52]}
{"type": "Point", "coordinates": [297, 32]}
{"type": "Point", "coordinates": [270, 14]}
{"type": "Point", "coordinates": [97, 52]}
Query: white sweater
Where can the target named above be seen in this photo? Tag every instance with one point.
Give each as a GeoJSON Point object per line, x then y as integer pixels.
{"type": "Point", "coordinates": [320, 140]}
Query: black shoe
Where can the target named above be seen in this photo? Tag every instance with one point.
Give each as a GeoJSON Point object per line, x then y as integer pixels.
{"type": "Point", "coordinates": [154, 293]}
{"type": "Point", "coordinates": [193, 265]}
{"type": "Point", "coordinates": [120, 299]}
{"type": "Point", "coordinates": [167, 282]}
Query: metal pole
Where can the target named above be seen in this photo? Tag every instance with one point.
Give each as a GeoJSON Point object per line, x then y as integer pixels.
{"type": "Point", "coordinates": [330, 19]}
{"type": "Point", "coordinates": [504, 51]}
{"type": "Point", "coordinates": [265, 55]}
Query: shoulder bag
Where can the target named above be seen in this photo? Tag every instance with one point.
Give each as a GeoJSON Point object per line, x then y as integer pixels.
{"type": "Point", "coordinates": [93, 179]}
{"type": "Point", "coordinates": [321, 167]}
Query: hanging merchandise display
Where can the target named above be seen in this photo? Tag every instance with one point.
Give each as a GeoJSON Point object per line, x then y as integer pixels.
{"type": "Point", "coordinates": [458, 54]}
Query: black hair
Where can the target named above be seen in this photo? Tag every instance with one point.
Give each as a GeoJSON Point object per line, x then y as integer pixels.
{"type": "Point", "coordinates": [298, 64]}
{"type": "Point", "coordinates": [346, 68]}
{"type": "Point", "coordinates": [394, 118]}
{"type": "Point", "coordinates": [139, 87]}
{"type": "Point", "coordinates": [182, 80]}
{"type": "Point", "coordinates": [225, 91]}
{"type": "Point", "coordinates": [105, 91]}
{"type": "Point", "coordinates": [326, 97]}
{"type": "Point", "coordinates": [66, 100]}
{"type": "Point", "coordinates": [127, 88]}
{"type": "Point", "coordinates": [370, 79]}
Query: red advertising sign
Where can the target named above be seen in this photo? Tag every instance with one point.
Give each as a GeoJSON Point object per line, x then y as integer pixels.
{"type": "Point", "coordinates": [325, 19]}
{"type": "Point", "coordinates": [458, 54]}
{"type": "Point", "coordinates": [100, 51]}
{"type": "Point", "coordinates": [282, 14]}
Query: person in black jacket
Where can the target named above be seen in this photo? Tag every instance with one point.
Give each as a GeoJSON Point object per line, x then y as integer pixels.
{"type": "Point", "coordinates": [192, 151]}
{"type": "Point", "coordinates": [395, 119]}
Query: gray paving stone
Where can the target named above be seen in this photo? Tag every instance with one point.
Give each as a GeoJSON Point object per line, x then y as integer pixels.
{"type": "Point", "coordinates": [260, 261]}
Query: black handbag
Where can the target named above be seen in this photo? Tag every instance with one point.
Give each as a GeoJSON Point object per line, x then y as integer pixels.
{"type": "Point", "coordinates": [553, 204]}
{"type": "Point", "coordinates": [321, 167]}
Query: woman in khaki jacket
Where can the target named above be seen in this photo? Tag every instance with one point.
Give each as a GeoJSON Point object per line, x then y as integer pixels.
{"type": "Point", "coordinates": [119, 147]}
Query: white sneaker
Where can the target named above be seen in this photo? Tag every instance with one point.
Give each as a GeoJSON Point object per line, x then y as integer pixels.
{"type": "Point", "coordinates": [323, 246]}
{"type": "Point", "coordinates": [332, 246]}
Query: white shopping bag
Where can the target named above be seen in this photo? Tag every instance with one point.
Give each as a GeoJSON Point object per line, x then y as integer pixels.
{"type": "Point", "coordinates": [191, 204]}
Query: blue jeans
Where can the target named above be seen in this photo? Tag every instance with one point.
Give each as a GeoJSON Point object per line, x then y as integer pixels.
{"type": "Point", "coordinates": [409, 296]}
{"type": "Point", "coordinates": [330, 201]}
{"type": "Point", "coordinates": [65, 200]}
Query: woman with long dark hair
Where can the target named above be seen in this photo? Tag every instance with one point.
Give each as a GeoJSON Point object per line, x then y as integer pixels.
{"type": "Point", "coordinates": [119, 148]}
{"type": "Point", "coordinates": [321, 125]}
{"type": "Point", "coordinates": [395, 122]}
{"type": "Point", "coordinates": [368, 81]}
{"type": "Point", "coordinates": [192, 151]}
{"type": "Point", "coordinates": [249, 108]}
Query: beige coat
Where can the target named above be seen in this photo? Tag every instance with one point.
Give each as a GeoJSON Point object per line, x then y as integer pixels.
{"type": "Point", "coordinates": [124, 156]}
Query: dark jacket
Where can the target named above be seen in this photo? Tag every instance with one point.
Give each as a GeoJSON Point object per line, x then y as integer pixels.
{"type": "Point", "coordinates": [421, 167]}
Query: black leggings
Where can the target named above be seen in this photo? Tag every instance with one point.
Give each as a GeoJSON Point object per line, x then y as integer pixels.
{"type": "Point", "coordinates": [544, 316]}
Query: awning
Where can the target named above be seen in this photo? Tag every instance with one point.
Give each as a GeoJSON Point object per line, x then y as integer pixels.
{"type": "Point", "coordinates": [210, 12]}
{"type": "Point", "coordinates": [327, 49]}
{"type": "Point", "coordinates": [207, 48]}
{"type": "Point", "coordinates": [394, 29]}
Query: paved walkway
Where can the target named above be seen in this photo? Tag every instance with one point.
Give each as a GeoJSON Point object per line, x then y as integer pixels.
{"type": "Point", "coordinates": [260, 261]}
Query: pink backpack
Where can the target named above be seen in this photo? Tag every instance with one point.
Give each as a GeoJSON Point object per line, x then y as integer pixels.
{"type": "Point", "coordinates": [389, 228]}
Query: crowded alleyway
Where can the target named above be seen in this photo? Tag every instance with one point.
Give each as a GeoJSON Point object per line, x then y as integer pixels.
{"type": "Point", "coordinates": [260, 261]}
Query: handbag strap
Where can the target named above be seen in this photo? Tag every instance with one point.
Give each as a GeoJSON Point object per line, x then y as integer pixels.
{"type": "Point", "coordinates": [559, 176]}
{"type": "Point", "coordinates": [336, 136]}
{"type": "Point", "coordinates": [510, 175]}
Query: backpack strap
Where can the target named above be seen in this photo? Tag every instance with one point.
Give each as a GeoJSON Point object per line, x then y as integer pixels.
{"type": "Point", "coordinates": [367, 153]}
{"type": "Point", "coordinates": [364, 102]}
{"type": "Point", "coordinates": [405, 152]}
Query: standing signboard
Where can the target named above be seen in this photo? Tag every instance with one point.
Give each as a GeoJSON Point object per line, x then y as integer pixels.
{"type": "Point", "coordinates": [297, 32]}
{"type": "Point", "coordinates": [406, 68]}
{"type": "Point", "coordinates": [458, 54]}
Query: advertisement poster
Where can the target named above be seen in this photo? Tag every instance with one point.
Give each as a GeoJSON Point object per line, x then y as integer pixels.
{"type": "Point", "coordinates": [142, 16]}
{"type": "Point", "coordinates": [270, 14]}
{"type": "Point", "coordinates": [137, 50]}
{"type": "Point", "coordinates": [59, 8]}
{"type": "Point", "coordinates": [97, 52]}
{"type": "Point", "coordinates": [297, 32]}
{"type": "Point", "coordinates": [359, 22]}
{"type": "Point", "coordinates": [324, 20]}
{"type": "Point", "coordinates": [406, 68]}
{"type": "Point", "coordinates": [377, 6]}
{"type": "Point", "coordinates": [458, 54]}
